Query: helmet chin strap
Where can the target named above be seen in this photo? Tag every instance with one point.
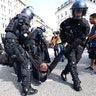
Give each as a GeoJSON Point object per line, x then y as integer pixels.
{"type": "Point", "coordinates": [77, 17]}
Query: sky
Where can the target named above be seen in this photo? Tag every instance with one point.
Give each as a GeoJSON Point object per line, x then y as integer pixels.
{"type": "Point", "coordinates": [46, 9]}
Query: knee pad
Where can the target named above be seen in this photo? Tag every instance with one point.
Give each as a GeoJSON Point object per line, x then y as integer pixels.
{"type": "Point", "coordinates": [72, 64]}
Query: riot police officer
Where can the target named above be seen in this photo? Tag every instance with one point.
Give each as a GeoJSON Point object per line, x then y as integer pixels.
{"type": "Point", "coordinates": [73, 34]}
{"type": "Point", "coordinates": [17, 33]}
{"type": "Point", "coordinates": [41, 43]}
{"type": "Point", "coordinates": [44, 48]}
{"type": "Point", "coordinates": [37, 39]}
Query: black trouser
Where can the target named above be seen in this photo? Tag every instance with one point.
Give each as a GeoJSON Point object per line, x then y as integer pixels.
{"type": "Point", "coordinates": [46, 55]}
{"type": "Point", "coordinates": [17, 69]}
{"type": "Point", "coordinates": [73, 58]}
{"type": "Point", "coordinates": [56, 50]}
{"type": "Point", "coordinates": [17, 53]}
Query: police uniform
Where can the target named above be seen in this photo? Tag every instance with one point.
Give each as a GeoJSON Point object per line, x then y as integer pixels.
{"type": "Point", "coordinates": [36, 41]}
{"type": "Point", "coordinates": [73, 33]}
{"type": "Point", "coordinates": [73, 30]}
{"type": "Point", "coordinates": [16, 33]}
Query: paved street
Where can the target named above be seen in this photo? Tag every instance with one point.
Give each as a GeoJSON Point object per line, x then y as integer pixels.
{"type": "Point", "coordinates": [54, 86]}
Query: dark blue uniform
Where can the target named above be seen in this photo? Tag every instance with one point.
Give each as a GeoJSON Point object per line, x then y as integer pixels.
{"type": "Point", "coordinates": [38, 45]}
{"type": "Point", "coordinates": [17, 34]}
{"type": "Point", "coordinates": [73, 32]}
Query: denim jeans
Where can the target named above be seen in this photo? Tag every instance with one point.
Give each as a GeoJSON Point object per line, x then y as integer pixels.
{"type": "Point", "coordinates": [60, 47]}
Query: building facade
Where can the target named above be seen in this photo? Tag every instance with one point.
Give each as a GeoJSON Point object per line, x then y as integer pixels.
{"type": "Point", "coordinates": [64, 11]}
{"type": "Point", "coordinates": [37, 22]}
{"type": "Point", "coordinates": [9, 8]}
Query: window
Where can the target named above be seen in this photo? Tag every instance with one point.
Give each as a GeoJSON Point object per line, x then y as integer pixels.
{"type": "Point", "coordinates": [9, 19]}
{"type": "Point", "coordinates": [65, 12]}
{"type": "Point", "coordinates": [58, 16]}
{"type": "Point", "coordinates": [4, 25]}
{"type": "Point", "coordinates": [2, 35]}
{"type": "Point", "coordinates": [10, 11]}
{"type": "Point", "coordinates": [3, 8]}
{"type": "Point", "coordinates": [61, 15]}
{"type": "Point", "coordinates": [9, 3]}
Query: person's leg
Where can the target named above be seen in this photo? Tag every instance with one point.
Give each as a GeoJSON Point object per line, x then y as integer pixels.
{"type": "Point", "coordinates": [62, 58]}
{"type": "Point", "coordinates": [72, 68]}
{"type": "Point", "coordinates": [75, 78]}
{"type": "Point", "coordinates": [95, 62]}
{"type": "Point", "coordinates": [26, 67]}
{"type": "Point", "coordinates": [55, 62]}
{"type": "Point", "coordinates": [92, 63]}
{"type": "Point", "coordinates": [91, 67]}
{"type": "Point", "coordinates": [72, 61]}
{"type": "Point", "coordinates": [55, 53]}
{"type": "Point", "coordinates": [92, 56]}
{"type": "Point", "coordinates": [46, 56]}
{"type": "Point", "coordinates": [26, 78]}
{"type": "Point", "coordinates": [65, 72]}
{"type": "Point", "coordinates": [59, 50]}
{"type": "Point", "coordinates": [93, 59]}
{"type": "Point", "coordinates": [17, 69]}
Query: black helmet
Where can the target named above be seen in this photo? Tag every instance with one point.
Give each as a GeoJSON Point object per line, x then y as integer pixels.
{"type": "Point", "coordinates": [79, 6]}
{"type": "Point", "coordinates": [54, 32]}
{"type": "Point", "coordinates": [32, 29]}
{"type": "Point", "coordinates": [28, 11]}
{"type": "Point", "coordinates": [43, 28]}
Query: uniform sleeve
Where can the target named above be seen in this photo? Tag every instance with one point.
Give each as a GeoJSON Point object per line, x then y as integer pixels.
{"type": "Point", "coordinates": [62, 32]}
{"type": "Point", "coordinates": [82, 38]}
{"type": "Point", "coordinates": [86, 29]}
{"type": "Point", "coordinates": [42, 38]}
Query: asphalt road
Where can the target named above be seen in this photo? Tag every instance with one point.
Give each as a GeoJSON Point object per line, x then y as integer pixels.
{"type": "Point", "coordinates": [54, 86]}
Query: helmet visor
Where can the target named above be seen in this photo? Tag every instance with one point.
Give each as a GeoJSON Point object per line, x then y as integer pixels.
{"type": "Point", "coordinates": [78, 12]}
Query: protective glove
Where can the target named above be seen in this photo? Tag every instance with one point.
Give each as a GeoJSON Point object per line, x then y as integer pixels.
{"type": "Point", "coordinates": [67, 49]}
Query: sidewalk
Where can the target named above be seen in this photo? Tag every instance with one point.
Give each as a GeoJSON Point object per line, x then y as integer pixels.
{"type": "Point", "coordinates": [54, 86]}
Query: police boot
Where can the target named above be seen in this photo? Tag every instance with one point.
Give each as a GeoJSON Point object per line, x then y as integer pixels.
{"type": "Point", "coordinates": [63, 75]}
{"type": "Point", "coordinates": [28, 91]}
{"type": "Point", "coordinates": [32, 91]}
{"type": "Point", "coordinates": [76, 81]}
{"type": "Point", "coordinates": [77, 86]}
{"type": "Point", "coordinates": [65, 72]}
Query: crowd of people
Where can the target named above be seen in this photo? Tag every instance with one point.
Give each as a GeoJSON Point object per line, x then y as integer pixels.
{"type": "Point", "coordinates": [57, 44]}
{"type": "Point", "coordinates": [27, 51]}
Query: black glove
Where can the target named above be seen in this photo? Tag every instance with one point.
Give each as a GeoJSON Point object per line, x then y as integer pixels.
{"type": "Point", "coordinates": [67, 49]}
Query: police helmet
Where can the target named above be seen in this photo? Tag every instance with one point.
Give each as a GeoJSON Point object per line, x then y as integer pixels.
{"type": "Point", "coordinates": [32, 29]}
{"type": "Point", "coordinates": [79, 6]}
{"type": "Point", "coordinates": [54, 32]}
{"type": "Point", "coordinates": [43, 28]}
{"type": "Point", "coordinates": [28, 11]}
